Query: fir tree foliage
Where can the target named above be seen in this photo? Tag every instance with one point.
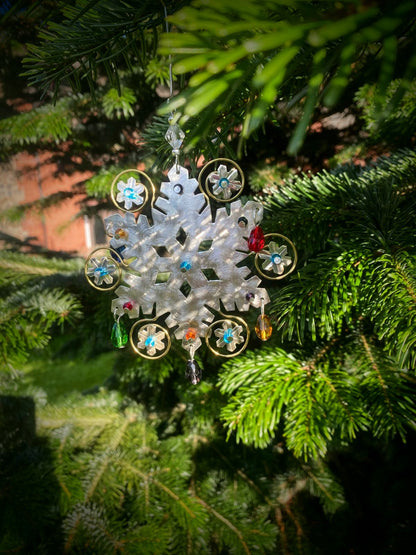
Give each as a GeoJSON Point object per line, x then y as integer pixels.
{"type": "Point", "coordinates": [238, 62]}
{"type": "Point", "coordinates": [358, 228]}
{"type": "Point", "coordinates": [40, 124]}
{"type": "Point", "coordinates": [147, 468]}
{"type": "Point", "coordinates": [96, 37]}
{"type": "Point", "coordinates": [125, 489]}
{"type": "Point", "coordinates": [299, 51]}
{"type": "Point", "coordinates": [398, 126]}
{"type": "Point", "coordinates": [351, 306]}
{"type": "Point", "coordinates": [62, 120]}
{"type": "Point", "coordinates": [119, 103]}
{"type": "Point", "coordinates": [31, 304]}
{"type": "Point", "coordinates": [152, 509]}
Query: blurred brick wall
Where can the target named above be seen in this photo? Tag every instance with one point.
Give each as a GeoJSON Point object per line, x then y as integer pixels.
{"type": "Point", "coordinates": [27, 178]}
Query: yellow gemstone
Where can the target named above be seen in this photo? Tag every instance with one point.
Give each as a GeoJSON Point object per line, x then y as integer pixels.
{"type": "Point", "coordinates": [263, 327]}
{"type": "Point", "coordinates": [121, 234]}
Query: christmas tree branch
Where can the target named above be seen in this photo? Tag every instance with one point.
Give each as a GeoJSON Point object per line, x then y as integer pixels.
{"type": "Point", "coordinates": [225, 521]}
{"type": "Point", "coordinates": [383, 385]}
{"type": "Point", "coordinates": [149, 478]}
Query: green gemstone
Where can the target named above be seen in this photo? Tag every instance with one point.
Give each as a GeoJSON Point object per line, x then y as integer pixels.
{"type": "Point", "coordinates": [119, 335]}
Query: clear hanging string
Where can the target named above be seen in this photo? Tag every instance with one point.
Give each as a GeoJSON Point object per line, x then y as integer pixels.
{"type": "Point", "coordinates": [170, 56]}
{"type": "Point", "coordinates": [174, 135]}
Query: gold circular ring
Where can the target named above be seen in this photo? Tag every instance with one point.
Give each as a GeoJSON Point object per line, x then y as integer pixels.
{"type": "Point", "coordinates": [119, 272]}
{"type": "Point", "coordinates": [232, 319]}
{"type": "Point", "coordinates": [207, 189]}
{"type": "Point", "coordinates": [133, 343]}
{"type": "Point", "coordinates": [114, 183]}
{"type": "Point", "coordinates": [295, 257]}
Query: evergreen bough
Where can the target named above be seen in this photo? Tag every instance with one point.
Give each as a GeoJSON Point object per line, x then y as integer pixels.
{"type": "Point", "coordinates": [346, 317]}
{"type": "Point", "coordinates": [148, 470]}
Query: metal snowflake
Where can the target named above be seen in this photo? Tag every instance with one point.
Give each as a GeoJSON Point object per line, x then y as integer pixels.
{"type": "Point", "coordinates": [186, 260]}
{"type": "Point", "coordinates": [150, 339]}
{"type": "Point", "coordinates": [224, 182]}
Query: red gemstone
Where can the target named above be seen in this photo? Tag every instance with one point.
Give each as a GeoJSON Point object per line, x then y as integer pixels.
{"type": "Point", "coordinates": [128, 305]}
{"type": "Point", "coordinates": [256, 240]}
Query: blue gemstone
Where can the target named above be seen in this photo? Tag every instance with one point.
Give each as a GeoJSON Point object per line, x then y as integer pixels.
{"type": "Point", "coordinates": [276, 258]}
{"type": "Point", "coordinates": [185, 266]}
{"type": "Point", "coordinates": [129, 193]}
{"type": "Point", "coordinates": [101, 271]}
{"type": "Point", "coordinates": [228, 336]}
{"type": "Point", "coordinates": [223, 182]}
{"type": "Point", "coordinates": [150, 341]}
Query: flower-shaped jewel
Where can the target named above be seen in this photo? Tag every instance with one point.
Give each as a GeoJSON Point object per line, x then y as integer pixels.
{"type": "Point", "coordinates": [224, 182]}
{"type": "Point", "coordinates": [101, 270]}
{"type": "Point", "coordinates": [130, 193]}
{"type": "Point", "coordinates": [151, 339]}
{"type": "Point", "coordinates": [229, 335]}
{"type": "Point", "coordinates": [276, 259]}
{"type": "Point", "coordinates": [116, 222]}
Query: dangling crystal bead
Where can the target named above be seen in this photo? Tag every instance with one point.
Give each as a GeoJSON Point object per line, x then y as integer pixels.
{"type": "Point", "coordinates": [263, 327]}
{"type": "Point", "coordinates": [256, 239]}
{"type": "Point", "coordinates": [193, 372]}
{"type": "Point", "coordinates": [175, 136]}
{"type": "Point", "coordinates": [119, 335]}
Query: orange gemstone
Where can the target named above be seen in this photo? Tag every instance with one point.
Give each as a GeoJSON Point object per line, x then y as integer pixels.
{"type": "Point", "coordinates": [120, 233]}
{"type": "Point", "coordinates": [263, 327]}
{"type": "Point", "coordinates": [190, 334]}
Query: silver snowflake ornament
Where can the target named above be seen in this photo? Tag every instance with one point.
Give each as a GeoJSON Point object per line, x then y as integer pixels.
{"type": "Point", "coordinates": [183, 260]}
